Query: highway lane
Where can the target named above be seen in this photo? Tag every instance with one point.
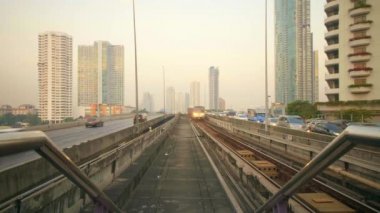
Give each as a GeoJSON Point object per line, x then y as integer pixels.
{"type": "Point", "coordinates": [68, 137]}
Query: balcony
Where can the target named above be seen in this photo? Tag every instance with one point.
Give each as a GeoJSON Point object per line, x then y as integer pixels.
{"type": "Point", "coordinates": [331, 33]}
{"type": "Point", "coordinates": [360, 89]}
{"type": "Point", "coordinates": [364, 25]}
{"type": "Point", "coordinates": [331, 5]}
{"type": "Point", "coordinates": [365, 40]}
{"type": "Point", "coordinates": [359, 57]}
{"type": "Point", "coordinates": [332, 62]}
{"type": "Point", "coordinates": [362, 10]}
{"type": "Point", "coordinates": [360, 72]}
{"type": "Point", "coordinates": [331, 91]}
{"type": "Point", "coordinates": [333, 76]}
{"type": "Point", "coordinates": [332, 47]}
{"type": "Point", "coordinates": [331, 19]}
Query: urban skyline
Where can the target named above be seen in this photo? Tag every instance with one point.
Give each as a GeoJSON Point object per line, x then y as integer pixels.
{"type": "Point", "coordinates": [242, 69]}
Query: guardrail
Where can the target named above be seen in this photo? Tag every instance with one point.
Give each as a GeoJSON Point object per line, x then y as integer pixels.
{"type": "Point", "coordinates": [36, 172]}
{"type": "Point", "coordinates": [50, 127]}
{"type": "Point", "coordinates": [12, 143]}
{"type": "Point", "coordinates": [101, 159]}
{"type": "Point", "coordinates": [303, 145]}
{"type": "Point", "coordinates": [351, 137]}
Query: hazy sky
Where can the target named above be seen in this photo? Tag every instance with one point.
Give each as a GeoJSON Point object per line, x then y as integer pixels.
{"type": "Point", "coordinates": [185, 36]}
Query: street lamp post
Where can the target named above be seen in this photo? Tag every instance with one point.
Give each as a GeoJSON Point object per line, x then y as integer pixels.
{"type": "Point", "coordinates": [163, 73]}
{"type": "Point", "coordinates": [266, 68]}
{"type": "Point", "coordinates": [136, 78]}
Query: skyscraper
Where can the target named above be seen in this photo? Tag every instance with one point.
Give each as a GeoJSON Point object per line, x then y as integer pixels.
{"type": "Point", "coordinates": [187, 101]}
{"type": "Point", "coordinates": [147, 102]}
{"type": "Point", "coordinates": [170, 100]}
{"type": "Point", "coordinates": [55, 76]}
{"type": "Point", "coordinates": [316, 75]}
{"type": "Point", "coordinates": [213, 80]}
{"type": "Point", "coordinates": [180, 103]}
{"type": "Point", "coordinates": [195, 93]}
{"type": "Point", "coordinates": [100, 74]}
{"type": "Point", "coordinates": [222, 104]}
{"type": "Point", "coordinates": [293, 42]}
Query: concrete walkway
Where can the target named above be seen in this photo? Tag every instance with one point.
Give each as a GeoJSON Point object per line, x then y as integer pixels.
{"type": "Point", "coordinates": [180, 179]}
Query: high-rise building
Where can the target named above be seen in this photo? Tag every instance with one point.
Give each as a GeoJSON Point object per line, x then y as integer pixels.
{"type": "Point", "coordinates": [55, 76]}
{"type": "Point", "coordinates": [316, 76]}
{"type": "Point", "coordinates": [352, 50]}
{"type": "Point", "coordinates": [100, 74]}
{"type": "Point", "coordinates": [147, 102]}
{"type": "Point", "coordinates": [170, 100]}
{"type": "Point", "coordinates": [187, 101]}
{"type": "Point", "coordinates": [213, 80]}
{"type": "Point", "coordinates": [195, 93]}
{"type": "Point", "coordinates": [294, 78]}
{"type": "Point", "coordinates": [222, 104]}
{"type": "Point", "coordinates": [180, 103]}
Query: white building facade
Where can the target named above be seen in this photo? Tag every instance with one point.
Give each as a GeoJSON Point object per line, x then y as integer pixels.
{"type": "Point", "coordinates": [170, 100]}
{"type": "Point", "coordinates": [55, 76]}
{"type": "Point", "coordinates": [195, 93]}
{"type": "Point", "coordinates": [213, 87]}
{"type": "Point", "coordinates": [353, 50]}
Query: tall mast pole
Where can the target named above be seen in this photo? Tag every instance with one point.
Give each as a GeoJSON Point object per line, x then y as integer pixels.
{"type": "Point", "coordinates": [266, 68]}
{"type": "Point", "coordinates": [136, 77]}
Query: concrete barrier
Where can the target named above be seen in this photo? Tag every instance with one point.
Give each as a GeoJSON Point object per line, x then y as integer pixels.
{"type": "Point", "coordinates": [20, 182]}
{"type": "Point", "coordinates": [50, 127]}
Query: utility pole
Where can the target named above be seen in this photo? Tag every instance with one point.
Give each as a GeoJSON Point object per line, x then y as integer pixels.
{"type": "Point", "coordinates": [136, 77]}
{"type": "Point", "coordinates": [163, 73]}
{"type": "Point", "coordinates": [266, 68]}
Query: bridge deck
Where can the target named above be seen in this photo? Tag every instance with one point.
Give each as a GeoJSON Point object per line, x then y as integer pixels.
{"type": "Point", "coordinates": [180, 179]}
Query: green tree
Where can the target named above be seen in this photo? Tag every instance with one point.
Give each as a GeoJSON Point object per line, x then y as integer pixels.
{"type": "Point", "coordinates": [7, 119]}
{"type": "Point", "coordinates": [357, 115]}
{"type": "Point", "coordinates": [302, 108]}
{"type": "Point", "coordinates": [68, 119]}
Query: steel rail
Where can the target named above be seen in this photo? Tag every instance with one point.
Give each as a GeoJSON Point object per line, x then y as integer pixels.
{"type": "Point", "coordinates": [354, 202]}
{"type": "Point", "coordinates": [348, 139]}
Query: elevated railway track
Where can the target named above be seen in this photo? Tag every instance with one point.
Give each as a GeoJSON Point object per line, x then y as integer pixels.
{"type": "Point", "coordinates": [286, 167]}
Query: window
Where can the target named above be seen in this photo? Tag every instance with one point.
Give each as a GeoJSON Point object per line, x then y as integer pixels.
{"type": "Point", "coordinates": [359, 34]}
{"type": "Point", "coordinates": [360, 49]}
{"type": "Point", "coordinates": [359, 81]}
{"type": "Point", "coordinates": [359, 19]}
{"type": "Point", "coordinates": [359, 65]}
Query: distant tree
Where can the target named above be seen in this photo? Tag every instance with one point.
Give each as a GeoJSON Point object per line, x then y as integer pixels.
{"type": "Point", "coordinates": [32, 119]}
{"type": "Point", "coordinates": [68, 119]}
{"type": "Point", "coordinates": [357, 115]}
{"type": "Point", "coordinates": [11, 120]}
{"type": "Point", "coordinates": [302, 108]}
{"type": "Point", "coordinates": [7, 119]}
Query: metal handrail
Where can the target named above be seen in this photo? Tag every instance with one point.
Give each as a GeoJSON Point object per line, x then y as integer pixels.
{"type": "Point", "coordinates": [15, 142]}
{"type": "Point", "coordinates": [348, 139]}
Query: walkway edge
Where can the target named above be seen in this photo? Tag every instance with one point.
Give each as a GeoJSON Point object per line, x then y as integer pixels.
{"type": "Point", "coordinates": [228, 191]}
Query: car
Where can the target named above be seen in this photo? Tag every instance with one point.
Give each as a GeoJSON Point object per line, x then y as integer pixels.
{"type": "Point", "coordinates": [272, 121]}
{"type": "Point", "coordinates": [143, 117]}
{"type": "Point", "coordinates": [94, 122]}
{"type": "Point", "coordinates": [341, 123]}
{"type": "Point", "coordinates": [291, 121]}
{"type": "Point", "coordinates": [310, 123]}
{"type": "Point", "coordinates": [327, 128]}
